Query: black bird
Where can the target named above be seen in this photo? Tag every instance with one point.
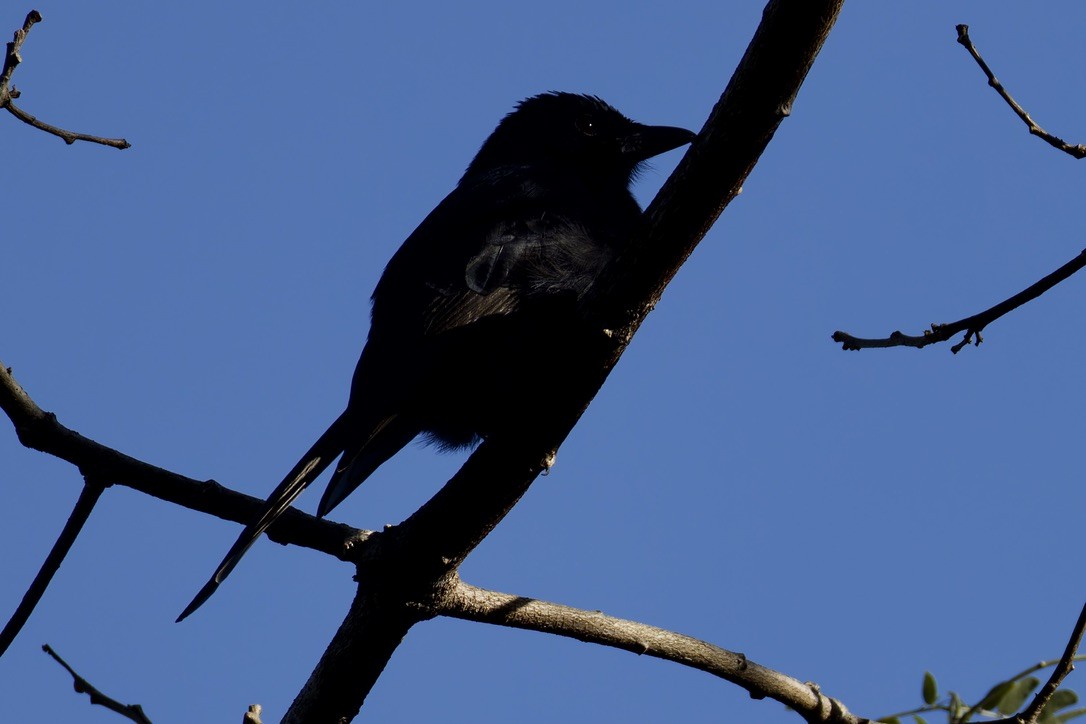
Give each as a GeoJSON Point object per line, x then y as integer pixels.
{"type": "Point", "coordinates": [477, 317]}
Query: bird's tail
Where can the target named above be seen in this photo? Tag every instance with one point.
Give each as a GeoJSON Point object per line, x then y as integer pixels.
{"type": "Point", "coordinates": [312, 464]}
{"type": "Point", "coordinates": [358, 463]}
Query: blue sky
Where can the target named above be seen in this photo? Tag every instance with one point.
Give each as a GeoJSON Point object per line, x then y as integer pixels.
{"type": "Point", "coordinates": [199, 301]}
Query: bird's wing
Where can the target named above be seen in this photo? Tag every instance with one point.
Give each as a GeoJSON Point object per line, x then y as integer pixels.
{"type": "Point", "coordinates": [509, 245]}
{"type": "Point", "coordinates": [470, 258]}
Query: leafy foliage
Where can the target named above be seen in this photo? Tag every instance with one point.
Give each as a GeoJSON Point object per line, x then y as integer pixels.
{"type": "Point", "coordinates": [1003, 700]}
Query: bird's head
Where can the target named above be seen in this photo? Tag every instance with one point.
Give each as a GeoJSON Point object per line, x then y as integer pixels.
{"type": "Point", "coordinates": [575, 133]}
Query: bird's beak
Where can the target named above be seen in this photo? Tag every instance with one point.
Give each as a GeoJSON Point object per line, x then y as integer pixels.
{"type": "Point", "coordinates": [648, 141]}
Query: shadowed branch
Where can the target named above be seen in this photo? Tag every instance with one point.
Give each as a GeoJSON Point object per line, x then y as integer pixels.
{"type": "Point", "coordinates": [133, 712]}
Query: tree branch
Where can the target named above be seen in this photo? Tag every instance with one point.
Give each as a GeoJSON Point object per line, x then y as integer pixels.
{"type": "Point", "coordinates": [40, 430]}
{"type": "Point", "coordinates": [12, 57]}
{"type": "Point", "coordinates": [133, 712]}
{"type": "Point", "coordinates": [470, 603]}
{"type": "Point", "coordinates": [92, 490]}
{"type": "Point", "coordinates": [69, 137]}
{"type": "Point", "coordinates": [973, 325]}
{"type": "Point", "coordinates": [1078, 151]}
{"type": "Point", "coordinates": [8, 92]}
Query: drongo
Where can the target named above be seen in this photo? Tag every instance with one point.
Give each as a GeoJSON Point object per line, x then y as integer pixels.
{"type": "Point", "coordinates": [479, 315]}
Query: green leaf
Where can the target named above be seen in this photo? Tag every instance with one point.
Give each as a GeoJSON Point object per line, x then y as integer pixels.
{"type": "Point", "coordinates": [919, 719]}
{"type": "Point", "coordinates": [1062, 699]}
{"type": "Point", "coordinates": [1069, 715]}
{"type": "Point", "coordinates": [930, 689]}
{"type": "Point", "coordinates": [995, 695]}
{"type": "Point", "coordinates": [1016, 695]}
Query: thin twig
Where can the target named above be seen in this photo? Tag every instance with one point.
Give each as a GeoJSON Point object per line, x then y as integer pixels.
{"type": "Point", "coordinates": [8, 93]}
{"type": "Point", "coordinates": [1078, 151]}
{"type": "Point", "coordinates": [973, 325]}
{"type": "Point", "coordinates": [69, 137]}
{"type": "Point", "coordinates": [471, 603]}
{"type": "Point", "coordinates": [1041, 665]}
{"type": "Point", "coordinates": [133, 712]}
{"type": "Point", "coordinates": [92, 490]}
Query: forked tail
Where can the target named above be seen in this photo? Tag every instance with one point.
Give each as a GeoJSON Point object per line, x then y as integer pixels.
{"type": "Point", "coordinates": [319, 457]}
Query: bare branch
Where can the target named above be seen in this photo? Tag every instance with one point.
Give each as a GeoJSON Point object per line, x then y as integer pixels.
{"type": "Point", "coordinates": [374, 627]}
{"type": "Point", "coordinates": [470, 603]}
{"type": "Point", "coordinates": [40, 430]}
{"type": "Point", "coordinates": [92, 490]}
{"type": "Point", "coordinates": [973, 325]}
{"type": "Point", "coordinates": [1078, 151]}
{"type": "Point", "coordinates": [69, 137]}
{"type": "Point", "coordinates": [133, 712]}
{"type": "Point", "coordinates": [12, 57]}
{"type": "Point", "coordinates": [8, 92]}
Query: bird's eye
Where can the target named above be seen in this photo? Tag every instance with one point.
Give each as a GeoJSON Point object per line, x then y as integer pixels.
{"type": "Point", "coordinates": [587, 125]}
